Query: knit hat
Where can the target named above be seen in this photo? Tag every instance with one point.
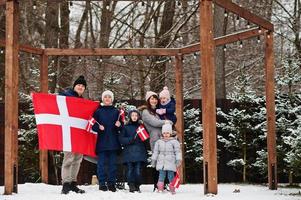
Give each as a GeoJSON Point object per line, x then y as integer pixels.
{"type": "Point", "coordinates": [80, 80]}
{"type": "Point", "coordinates": [165, 93]}
{"type": "Point", "coordinates": [167, 128]}
{"type": "Point", "coordinates": [149, 94]}
{"type": "Point", "coordinates": [107, 93]}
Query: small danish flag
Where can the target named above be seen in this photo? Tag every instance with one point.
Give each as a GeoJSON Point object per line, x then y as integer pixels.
{"type": "Point", "coordinates": [142, 133]}
{"type": "Point", "coordinates": [91, 122]}
{"type": "Point", "coordinates": [121, 115]}
{"type": "Point", "coordinates": [176, 180]}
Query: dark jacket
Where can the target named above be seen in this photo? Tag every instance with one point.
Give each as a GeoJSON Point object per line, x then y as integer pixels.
{"type": "Point", "coordinates": [108, 138]}
{"type": "Point", "coordinates": [170, 111]}
{"type": "Point", "coordinates": [70, 93]}
{"type": "Point", "coordinates": [133, 148]}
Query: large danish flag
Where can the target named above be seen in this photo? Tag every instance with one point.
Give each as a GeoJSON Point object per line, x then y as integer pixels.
{"type": "Point", "coordinates": [61, 123]}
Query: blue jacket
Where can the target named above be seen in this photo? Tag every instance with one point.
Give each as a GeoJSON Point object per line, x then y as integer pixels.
{"type": "Point", "coordinates": [70, 93]}
{"type": "Point", "coordinates": [133, 148]}
{"type": "Point", "coordinates": [170, 111]}
{"type": "Point", "coordinates": [107, 139]}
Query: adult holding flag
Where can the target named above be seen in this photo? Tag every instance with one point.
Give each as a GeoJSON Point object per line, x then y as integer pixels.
{"type": "Point", "coordinates": [134, 153]}
{"type": "Point", "coordinates": [72, 161]}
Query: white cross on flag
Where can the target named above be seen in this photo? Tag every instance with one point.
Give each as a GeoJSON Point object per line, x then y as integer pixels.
{"type": "Point", "coordinates": [176, 181]}
{"type": "Point", "coordinates": [142, 133]}
{"type": "Point", "coordinates": [61, 123]}
{"type": "Point", "coordinates": [91, 122]}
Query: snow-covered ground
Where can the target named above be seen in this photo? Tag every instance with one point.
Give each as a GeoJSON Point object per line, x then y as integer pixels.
{"type": "Point", "coordinates": [31, 191]}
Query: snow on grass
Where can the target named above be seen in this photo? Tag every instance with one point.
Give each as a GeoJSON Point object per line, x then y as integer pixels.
{"type": "Point", "coordinates": [30, 191]}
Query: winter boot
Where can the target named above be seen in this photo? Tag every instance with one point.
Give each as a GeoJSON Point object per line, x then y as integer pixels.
{"type": "Point", "coordinates": [132, 187]}
{"type": "Point", "coordinates": [66, 188]}
{"type": "Point", "coordinates": [74, 188]}
{"type": "Point", "coordinates": [103, 187]}
{"type": "Point", "coordinates": [172, 189]}
{"type": "Point", "coordinates": [160, 186]}
{"type": "Point", "coordinates": [112, 188]}
{"type": "Point", "coordinates": [138, 187]}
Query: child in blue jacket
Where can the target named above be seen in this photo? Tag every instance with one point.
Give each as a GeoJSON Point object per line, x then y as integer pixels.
{"type": "Point", "coordinates": [107, 144]}
{"type": "Point", "coordinates": [167, 106]}
{"type": "Point", "coordinates": [134, 151]}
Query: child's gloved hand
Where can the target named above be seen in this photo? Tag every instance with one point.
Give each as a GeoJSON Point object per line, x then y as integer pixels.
{"type": "Point", "coordinates": [163, 111]}
{"type": "Point", "coordinates": [178, 163]}
{"type": "Point", "coordinates": [153, 163]}
{"type": "Point", "coordinates": [101, 127]}
{"type": "Point", "coordinates": [159, 111]}
{"type": "Point", "coordinates": [118, 124]}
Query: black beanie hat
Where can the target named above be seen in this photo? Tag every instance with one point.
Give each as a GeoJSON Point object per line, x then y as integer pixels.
{"type": "Point", "coordinates": [80, 80]}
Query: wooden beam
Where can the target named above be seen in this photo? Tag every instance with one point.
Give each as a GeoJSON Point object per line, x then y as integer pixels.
{"type": "Point", "coordinates": [180, 110]}
{"type": "Point", "coordinates": [230, 38]}
{"type": "Point", "coordinates": [244, 13]}
{"type": "Point", "coordinates": [111, 52]}
{"type": "Point", "coordinates": [239, 36]}
{"type": "Point", "coordinates": [207, 60]}
{"type": "Point", "coordinates": [11, 97]}
{"type": "Point", "coordinates": [25, 48]}
{"type": "Point", "coordinates": [270, 106]}
{"type": "Point", "coordinates": [44, 89]}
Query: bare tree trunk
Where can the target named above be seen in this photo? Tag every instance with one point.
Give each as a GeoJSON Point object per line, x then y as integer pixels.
{"type": "Point", "coordinates": [65, 72]}
{"type": "Point", "coordinates": [245, 157]}
{"type": "Point", "coordinates": [162, 40]}
{"type": "Point", "coordinates": [51, 36]}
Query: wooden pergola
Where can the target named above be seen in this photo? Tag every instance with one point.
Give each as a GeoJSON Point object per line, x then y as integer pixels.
{"type": "Point", "coordinates": [206, 46]}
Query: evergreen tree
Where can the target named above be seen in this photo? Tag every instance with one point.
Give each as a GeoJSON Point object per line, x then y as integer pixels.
{"type": "Point", "coordinates": [243, 126]}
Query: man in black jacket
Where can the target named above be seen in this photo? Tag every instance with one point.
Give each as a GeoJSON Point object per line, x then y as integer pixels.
{"type": "Point", "coordinates": [72, 161]}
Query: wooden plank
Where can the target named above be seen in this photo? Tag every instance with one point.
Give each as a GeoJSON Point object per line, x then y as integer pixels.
{"type": "Point", "coordinates": [207, 47]}
{"type": "Point", "coordinates": [244, 13]}
{"type": "Point", "coordinates": [25, 48]}
{"type": "Point", "coordinates": [180, 110]}
{"type": "Point", "coordinates": [270, 106]}
{"type": "Point", "coordinates": [230, 38]}
{"type": "Point", "coordinates": [111, 52]}
{"type": "Point", "coordinates": [44, 89]}
{"type": "Point", "coordinates": [11, 96]}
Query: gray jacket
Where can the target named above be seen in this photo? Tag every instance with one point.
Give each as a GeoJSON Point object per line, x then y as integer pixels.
{"type": "Point", "coordinates": [167, 154]}
{"type": "Point", "coordinates": [153, 125]}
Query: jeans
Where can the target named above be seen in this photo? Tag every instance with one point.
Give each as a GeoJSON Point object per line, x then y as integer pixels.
{"type": "Point", "coordinates": [162, 175]}
{"type": "Point", "coordinates": [133, 173]}
{"type": "Point", "coordinates": [107, 159]}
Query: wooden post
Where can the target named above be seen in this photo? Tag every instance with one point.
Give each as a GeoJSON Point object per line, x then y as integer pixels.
{"type": "Point", "coordinates": [180, 110]}
{"type": "Point", "coordinates": [44, 88]}
{"type": "Point", "coordinates": [11, 97]}
{"type": "Point", "coordinates": [207, 48]}
{"type": "Point", "coordinates": [270, 106]}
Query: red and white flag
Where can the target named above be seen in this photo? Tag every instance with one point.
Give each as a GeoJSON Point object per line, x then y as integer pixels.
{"type": "Point", "coordinates": [91, 122]}
{"type": "Point", "coordinates": [176, 180]}
{"type": "Point", "coordinates": [121, 115]}
{"type": "Point", "coordinates": [142, 133]}
{"type": "Point", "coordinates": [61, 123]}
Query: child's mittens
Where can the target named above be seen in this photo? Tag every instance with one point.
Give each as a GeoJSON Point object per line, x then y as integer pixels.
{"type": "Point", "coordinates": [153, 163]}
{"type": "Point", "coordinates": [163, 111]}
{"type": "Point", "coordinates": [159, 111]}
{"type": "Point", "coordinates": [178, 163]}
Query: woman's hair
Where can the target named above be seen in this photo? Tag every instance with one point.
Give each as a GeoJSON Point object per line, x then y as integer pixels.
{"type": "Point", "coordinates": [149, 106]}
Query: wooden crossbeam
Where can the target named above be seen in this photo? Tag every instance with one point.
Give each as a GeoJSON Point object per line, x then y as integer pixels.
{"type": "Point", "coordinates": [238, 36]}
{"type": "Point", "coordinates": [25, 48]}
{"type": "Point", "coordinates": [244, 13]}
{"type": "Point", "coordinates": [111, 52]}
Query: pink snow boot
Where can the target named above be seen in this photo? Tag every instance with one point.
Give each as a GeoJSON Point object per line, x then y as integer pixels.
{"type": "Point", "coordinates": [160, 186]}
{"type": "Point", "coordinates": [172, 189]}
